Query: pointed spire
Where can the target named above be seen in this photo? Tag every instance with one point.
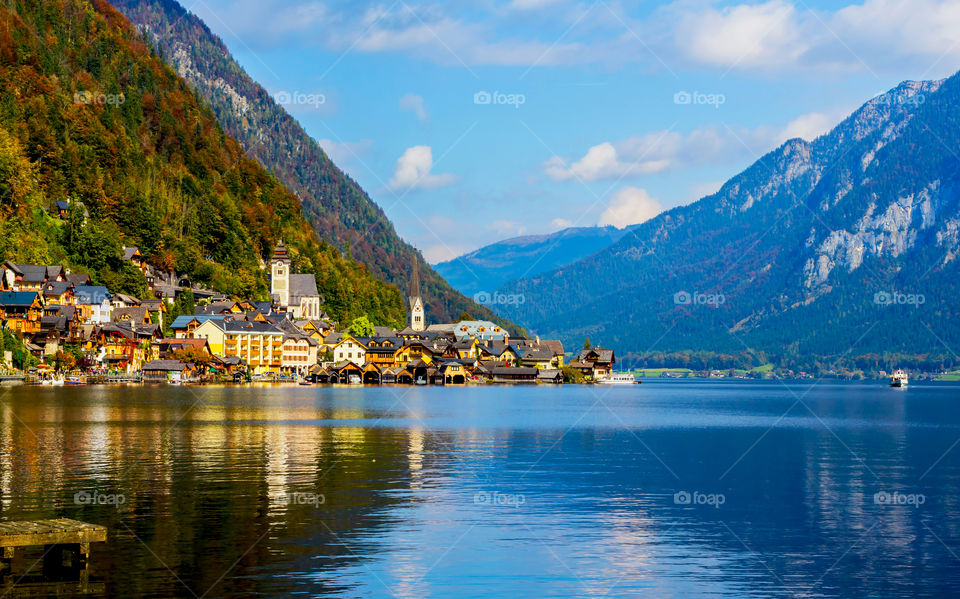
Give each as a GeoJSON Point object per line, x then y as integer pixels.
{"type": "Point", "coordinates": [415, 288]}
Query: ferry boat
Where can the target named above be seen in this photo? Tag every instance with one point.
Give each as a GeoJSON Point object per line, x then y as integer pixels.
{"type": "Point", "coordinates": [618, 379]}
{"type": "Point", "coordinates": [899, 379]}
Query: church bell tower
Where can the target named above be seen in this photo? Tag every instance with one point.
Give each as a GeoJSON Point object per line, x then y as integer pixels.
{"type": "Point", "coordinates": [417, 318]}
{"type": "Point", "coordinates": [280, 275]}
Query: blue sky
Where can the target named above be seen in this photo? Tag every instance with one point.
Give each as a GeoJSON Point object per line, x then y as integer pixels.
{"type": "Point", "coordinates": [470, 122]}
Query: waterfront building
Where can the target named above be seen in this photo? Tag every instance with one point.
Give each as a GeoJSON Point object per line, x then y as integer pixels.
{"type": "Point", "coordinates": [259, 344]}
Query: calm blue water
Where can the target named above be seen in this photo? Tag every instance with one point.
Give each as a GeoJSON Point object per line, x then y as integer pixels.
{"type": "Point", "coordinates": [667, 489]}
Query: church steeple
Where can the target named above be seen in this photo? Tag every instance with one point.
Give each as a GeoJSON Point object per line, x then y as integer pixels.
{"type": "Point", "coordinates": [280, 275]}
{"type": "Point", "coordinates": [417, 318]}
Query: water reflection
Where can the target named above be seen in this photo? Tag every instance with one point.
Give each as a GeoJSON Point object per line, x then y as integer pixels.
{"type": "Point", "coordinates": [518, 492]}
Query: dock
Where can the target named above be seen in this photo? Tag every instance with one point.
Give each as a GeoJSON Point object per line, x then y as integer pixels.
{"type": "Point", "coordinates": [62, 533]}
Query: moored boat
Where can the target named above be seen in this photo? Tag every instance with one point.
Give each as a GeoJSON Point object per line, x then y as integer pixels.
{"type": "Point", "coordinates": [618, 379]}
{"type": "Point", "coordinates": [899, 379]}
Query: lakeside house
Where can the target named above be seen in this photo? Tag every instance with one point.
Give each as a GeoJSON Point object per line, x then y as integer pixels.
{"type": "Point", "coordinates": [54, 310]}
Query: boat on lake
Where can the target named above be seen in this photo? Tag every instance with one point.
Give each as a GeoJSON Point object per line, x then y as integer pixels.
{"type": "Point", "coordinates": [899, 379]}
{"type": "Point", "coordinates": [618, 379]}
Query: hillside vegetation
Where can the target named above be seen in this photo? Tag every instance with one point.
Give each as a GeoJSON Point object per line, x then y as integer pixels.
{"type": "Point", "coordinates": [88, 112]}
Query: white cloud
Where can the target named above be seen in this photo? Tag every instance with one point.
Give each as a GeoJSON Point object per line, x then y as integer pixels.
{"type": "Point", "coordinates": [505, 227]}
{"type": "Point", "coordinates": [412, 171]}
{"type": "Point", "coordinates": [670, 150]}
{"type": "Point", "coordinates": [744, 35]}
{"type": "Point", "coordinates": [883, 34]}
{"type": "Point", "coordinates": [809, 126]}
{"type": "Point", "coordinates": [441, 253]}
{"type": "Point", "coordinates": [561, 223]}
{"type": "Point", "coordinates": [629, 206]}
{"type": "Point", "coordinates": [415, 104]}
{"type": "Point", "coordinates": [603, 161]}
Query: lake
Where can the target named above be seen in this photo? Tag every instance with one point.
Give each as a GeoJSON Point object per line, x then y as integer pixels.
{"type": "Point", "coordinates": [694, 488]}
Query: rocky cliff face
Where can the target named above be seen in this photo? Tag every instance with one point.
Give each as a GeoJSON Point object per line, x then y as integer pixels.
{"type": "Point", "coordinates": [797, 246]}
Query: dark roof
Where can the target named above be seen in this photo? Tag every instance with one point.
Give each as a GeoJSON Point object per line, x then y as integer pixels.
{"type": "Point", "coordinates": [124, 329]}
{"type": "Point", "coordinates": [180, 322]}
{"type": "Point", "coordinates": [506, 370]}
{"type": "Point", "coordinates": [596, 355]}
{"type": "Point", "coordinates": [265, 307]}
{"type": "Point", "coordinates": [333, 338]}
{"type": "Point", "coordinates": [537, 353]}
{"type": "Point", "coordinates": [62, 204]}
{"type": "Point", "coordinates": [195, 341]}
{"type": "Point", "coordinates": [78, 278]}
{"type": "Point", "coordinates": [137, 314]}
{"type": "Point", "coordinates": [280, 253]}
{"type": "Point", "coordinates": [17, 298]}
{"type": "Point", "coordinates": [215, 307]}
{"type": "Point", "coordinates": [37, 273]}
{"type": "Point", "coordinates": [302, 286]}
{"type": "Point", "coordinates": [550, 374]}
{"type": "Point", "coordinates": [164, 365]}
{"type": "Point", "coordinates": [130, 252]}
{"type": "Point", "coordinates": [91, 294]}
{"type": "Point", "coordinates": [244, 326]}
{"type": "Point", "coordinates": [408, 331]}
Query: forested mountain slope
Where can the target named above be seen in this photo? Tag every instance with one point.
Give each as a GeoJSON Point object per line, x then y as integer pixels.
{"type": "Point", "coordinates": [88, 113]}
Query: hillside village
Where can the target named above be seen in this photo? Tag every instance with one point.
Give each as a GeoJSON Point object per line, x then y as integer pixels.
{"type": "Point", "coordinates": [59, 321]}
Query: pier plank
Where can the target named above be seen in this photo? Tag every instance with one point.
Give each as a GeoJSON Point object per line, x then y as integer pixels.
{"type": "Point", "coordinates": [60, 531]}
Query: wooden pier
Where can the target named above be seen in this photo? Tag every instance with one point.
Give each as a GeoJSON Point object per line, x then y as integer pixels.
{"type": "Point", "coordinates": [56, 536]}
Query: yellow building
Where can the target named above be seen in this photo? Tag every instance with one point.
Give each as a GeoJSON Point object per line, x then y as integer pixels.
{"type": "Point", "coordinates": [259, 344]}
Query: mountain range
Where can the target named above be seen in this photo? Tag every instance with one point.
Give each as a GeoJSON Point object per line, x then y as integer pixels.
{"type": "Point", "coordinates": [490, 267]}
{"type": "Point", "coordinates": [844, 245]}
{"type": "Point", "coordinates": [337, 207]}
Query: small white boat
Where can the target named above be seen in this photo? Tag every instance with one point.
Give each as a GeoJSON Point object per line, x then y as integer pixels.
{"type": "Point", "coordinates": [421, 381]}
{"type": "Point", "coordinates": [899, 379]}
{"type": "Point", "coordinates": [618, 379]}
{"type": "Point", "coordinates": [355, 379]}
